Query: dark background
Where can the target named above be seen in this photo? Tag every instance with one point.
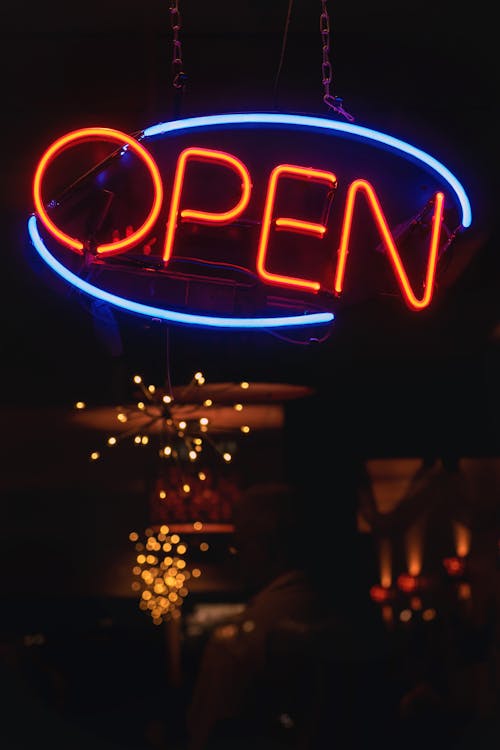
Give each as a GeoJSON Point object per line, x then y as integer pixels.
{"type": "Point", "coordinates": [426, 77]}
{"type": "Point", "coordinates": [388, 382]}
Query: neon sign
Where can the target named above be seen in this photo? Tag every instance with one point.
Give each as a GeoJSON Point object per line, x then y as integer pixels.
{"type": "Point", "coordinates": [289, 228]}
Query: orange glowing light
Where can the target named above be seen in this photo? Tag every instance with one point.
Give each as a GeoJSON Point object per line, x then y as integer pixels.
{"type": "Point", "coordinates": [385, 562]}
{"type": "Point", "coordinates": [203, 217]}
{"type": "Point", "coordinates": [399, 271]}
{"type": "Point", "coordinates": [462, 536]}
{"type": "Point", "coordinates": [294, 225]}
{"type": "Point", "coordinates": [414, 549]}
{"type": "Point", "coordinates": [103, 134]}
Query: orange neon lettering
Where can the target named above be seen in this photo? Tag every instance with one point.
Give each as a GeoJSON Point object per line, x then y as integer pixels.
{"type": "Point", "coordinates": [291, 225]}
{"type": "Point", "coordinates": [399, 270]}
{"type": "Point", "coordinates": [104, 134]}
{"type": "Point", "coordinates": [203, 217]}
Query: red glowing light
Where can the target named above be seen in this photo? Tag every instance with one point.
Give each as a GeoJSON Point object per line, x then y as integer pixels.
{"type": "Point", "coordinates": [454, 566]}
{"type": "Point", "coordinates": [104, 134]}
{"type": "Point", "coordinates": [316, 230]}
{"type": "Point", "coordinates": [399, 271]}
{"type": "Point", "coordinates": [294, 225]}
{"type": "Point", "coordinates": [204, 217]}
{"type": "Point", "coordinates": [407, 583]}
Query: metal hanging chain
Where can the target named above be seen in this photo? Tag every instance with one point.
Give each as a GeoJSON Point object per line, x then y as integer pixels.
{"type": "Point", "coordinates": [283, 49]}
{"type": "Point", "coordinates": [179, 78]}
{"type": "Point", "coordinates": [334, 102]}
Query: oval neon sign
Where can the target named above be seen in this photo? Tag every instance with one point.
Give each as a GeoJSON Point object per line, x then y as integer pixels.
{"type": "Point", "coordinates": [446, 190]}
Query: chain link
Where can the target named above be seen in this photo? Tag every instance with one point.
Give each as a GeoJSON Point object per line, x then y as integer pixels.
{"type": "Point", "coordinates": [334, 102]}
{"type": "Point", "coordinates": [179, 78]}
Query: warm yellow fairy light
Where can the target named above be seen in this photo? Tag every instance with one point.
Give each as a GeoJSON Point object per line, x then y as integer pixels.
{"type": "Point", "coordinates": [133, 536]}
{"type": "Point", "coordinates": [196, 572]}
{"type": "Point", "coordinates": [159, 582]}
{"type": "Point", "coordinates": [144, 440]}
{"type": "Point", "coordinates": [204, 421]}
{"type": "Point", "coordinates": [198, 376]}
{"type": "Point", "coordinates": [121, 417]}
{"type": "Point", "coordinates": [186, 487]}
{"type": "Point", "coordinates": [245, 428]}
{"type": "Point", "coordinates": [167, 399]}
{"type": "Point", "coordinates": [203, 546]}
{"type": "Point", "coordinates": [137, 439]}
{"type": "Point", "coordinates": [167, 450]}
{"type": "Point", "coordinates": [151, 388]}
{"type": "Point", "coordinates": [227, 457]}
{"type": "Point", "coordinates": [163, 494]}
{"type": "Point", "coordinates": [94, 455]}
{"type": "Point", "coordinates": [182, 425]}
{"type": "Point", "coordinates": [141, 405]}
{"type": "Point", "coordinates": [208, 402]}
{"type": "Point", "coordinates": [137, 379]}
{"type": "Point", "coordinates": [244, 385]}
{"type": "Point", "coordinates": [193, 455]}
{"type": "Point", "coordinates": [202, 476]}
{"type": "Point", "coordinates": [238, 407]}
{"type": "Point", "coordinates": [80, 405]}
{"type": "Point", "coordinates": [197, 525]}
{"type": "Point", "coordinates": [111, 441]}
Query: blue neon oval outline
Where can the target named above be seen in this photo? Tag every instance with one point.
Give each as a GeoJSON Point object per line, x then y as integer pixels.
{"type": "Point", "coordinates": [164, 314]}
{"type": "Point", "coordinates": [320, 123]}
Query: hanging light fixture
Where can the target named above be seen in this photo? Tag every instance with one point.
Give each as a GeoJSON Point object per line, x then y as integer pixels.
{"type": "Point", "coordinates": [180, 422]}
{"type": "Point", "coordinates": [161, 573]}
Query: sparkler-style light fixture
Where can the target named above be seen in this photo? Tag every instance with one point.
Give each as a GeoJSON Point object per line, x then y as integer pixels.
{"type": "Point", "coordinates": [179, 422]}
{"type": "Point", "coordinates": [192, 433]}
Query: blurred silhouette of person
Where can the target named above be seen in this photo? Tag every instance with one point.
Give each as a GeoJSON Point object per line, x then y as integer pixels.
{"type": "Point", "coordinates": [264, 679]}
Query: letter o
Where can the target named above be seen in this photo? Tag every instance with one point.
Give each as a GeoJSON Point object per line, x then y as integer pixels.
{"type": "Point", "coordinates": [104, 134]}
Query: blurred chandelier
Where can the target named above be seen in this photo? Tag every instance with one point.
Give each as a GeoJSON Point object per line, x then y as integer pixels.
{"type": "Point", "coordinates": [180, 421]}
{"type": "Point", "coordinates": [194, 431]}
